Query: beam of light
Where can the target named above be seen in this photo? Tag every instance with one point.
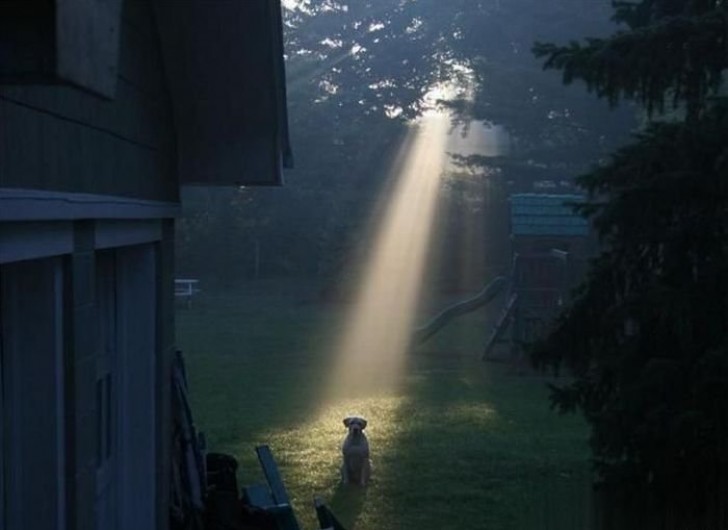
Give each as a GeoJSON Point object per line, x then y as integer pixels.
{"type": "Point", "coordinates": [473, 205]}
{"type": "Point", "coordinates": [371, 354]}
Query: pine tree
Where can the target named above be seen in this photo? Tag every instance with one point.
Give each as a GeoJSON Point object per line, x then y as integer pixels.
{"type": "Point", "coordinates": [646, 337]}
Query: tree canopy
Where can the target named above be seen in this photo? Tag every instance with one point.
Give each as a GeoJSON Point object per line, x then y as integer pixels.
{"type": "Point", "coordinates": [646, 336]}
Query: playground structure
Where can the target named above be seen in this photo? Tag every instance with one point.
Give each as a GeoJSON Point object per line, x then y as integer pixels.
{"type": "Point", "coordinates": [550, 245]}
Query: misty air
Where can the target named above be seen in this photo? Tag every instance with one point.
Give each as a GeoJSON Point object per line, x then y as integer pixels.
{"type": "Point", "coordinates": [363, 265]}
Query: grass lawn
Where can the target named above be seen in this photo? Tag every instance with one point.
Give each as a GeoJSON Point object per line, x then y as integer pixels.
{"type": "Point", "coordinates": [462, 443]}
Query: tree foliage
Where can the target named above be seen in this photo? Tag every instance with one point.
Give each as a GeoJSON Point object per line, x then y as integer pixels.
{"type": "Point", "coordinates": [671, 50]}
{"type": "Point", "coordinates": [646, 336]}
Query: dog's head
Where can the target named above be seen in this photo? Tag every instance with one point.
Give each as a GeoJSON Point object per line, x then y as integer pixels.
{"type": "Point", "coordinates": [355, 424]}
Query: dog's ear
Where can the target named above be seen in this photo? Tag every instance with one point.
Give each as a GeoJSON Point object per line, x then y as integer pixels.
{"type": "Point", "coordinates": [363, 423]}
{"type": "Point", "coordinates": [347, 421]}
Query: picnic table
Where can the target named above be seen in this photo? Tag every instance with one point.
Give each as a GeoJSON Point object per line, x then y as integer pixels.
{"type": "Point", "coordinates": [185, 289]}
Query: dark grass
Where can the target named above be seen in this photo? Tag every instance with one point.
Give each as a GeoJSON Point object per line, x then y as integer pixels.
{"type": "Point", "coordinates": [462, 444]}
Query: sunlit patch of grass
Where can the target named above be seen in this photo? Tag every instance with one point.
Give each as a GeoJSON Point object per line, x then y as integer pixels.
{"type": "Point", "coordinates": [309, 454]}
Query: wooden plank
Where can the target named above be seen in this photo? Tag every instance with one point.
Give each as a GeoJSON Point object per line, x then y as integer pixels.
{"type": "Point", "coordinates": [272, 475]}
{"type": "Point", "coordinates": [258, 495]}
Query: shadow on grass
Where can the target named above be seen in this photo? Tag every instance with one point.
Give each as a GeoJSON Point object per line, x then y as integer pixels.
{"type": "Point", "coordinates": [348, 502]}
{"type": "Point", "coordinates": [482, 450]}
{"type": "Point", "coordinates": [255, 363]}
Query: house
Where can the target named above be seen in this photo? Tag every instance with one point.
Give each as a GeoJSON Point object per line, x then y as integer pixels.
{"type": "Point", "coordinates": [106, 109]}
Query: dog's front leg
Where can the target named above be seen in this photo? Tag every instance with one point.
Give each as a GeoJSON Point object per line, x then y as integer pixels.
{"type": "Point", "coordinates": [365, 473]}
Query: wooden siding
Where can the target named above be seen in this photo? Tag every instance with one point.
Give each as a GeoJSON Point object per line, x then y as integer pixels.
{"type": "Point", "coordinates": [58, 138]}
{"type": "Point", "coordinates": [225, 64]}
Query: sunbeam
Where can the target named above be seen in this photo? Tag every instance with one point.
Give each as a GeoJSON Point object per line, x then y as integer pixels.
{"type": "Point", "coordinates": [471, 203]}
{"type": "Point", "coordinates": [371, 353]}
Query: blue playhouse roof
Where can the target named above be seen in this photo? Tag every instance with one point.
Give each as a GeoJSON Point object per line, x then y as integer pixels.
{"type": "Point", "coordinates": [546, 215]}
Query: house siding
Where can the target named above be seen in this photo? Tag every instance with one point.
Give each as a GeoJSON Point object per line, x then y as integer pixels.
{"type": "Point", "coordinates": [59, 138]}
{"type": "Point", "coordinates": [102, 174]}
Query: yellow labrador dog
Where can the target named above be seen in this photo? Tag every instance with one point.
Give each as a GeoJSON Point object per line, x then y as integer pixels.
{"type": "Point", "coordinates": [357, 467]}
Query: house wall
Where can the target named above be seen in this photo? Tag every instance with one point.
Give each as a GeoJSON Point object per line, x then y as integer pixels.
{"type": "Point", "coordinates": [83, 178]}
{"type": "Point", "coordinates": [141, 251]}
{"type": "Point", "coordinates": [60, 138]}
{"type": "Point", "coordinates": [81, 175]}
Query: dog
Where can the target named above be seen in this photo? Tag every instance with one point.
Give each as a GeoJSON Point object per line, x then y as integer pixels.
{"type": "Point", "coordinates": [357, 466]}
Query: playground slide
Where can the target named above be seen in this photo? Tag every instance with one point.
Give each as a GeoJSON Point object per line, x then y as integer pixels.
{"type": "Point", "coordinates": [466, 306]}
